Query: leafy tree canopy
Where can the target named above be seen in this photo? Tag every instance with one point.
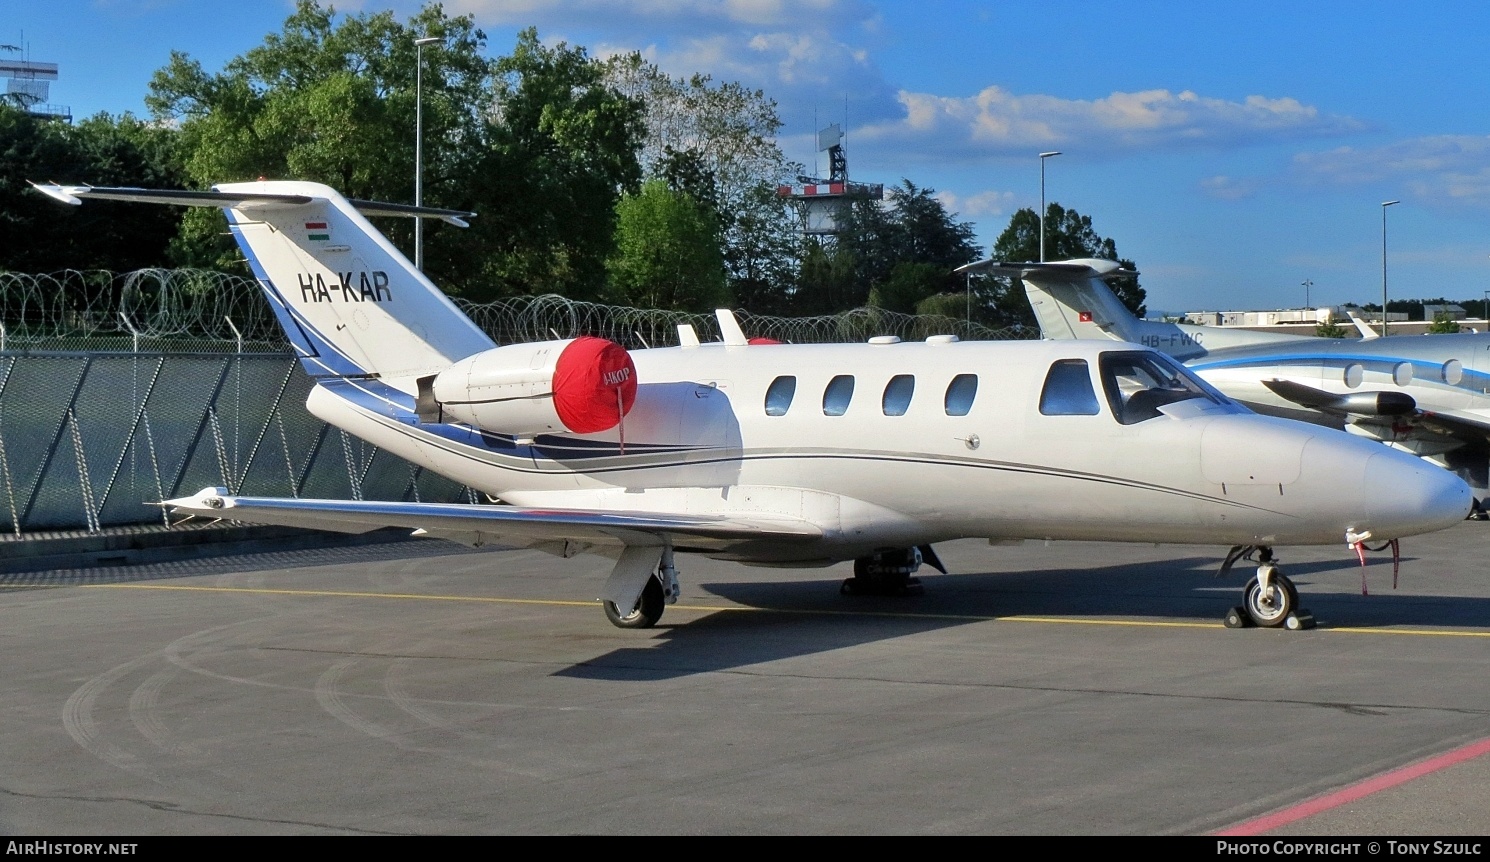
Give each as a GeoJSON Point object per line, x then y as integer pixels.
{"type": "Point", "coordinates": [562, 151]}
{"type": "Point", "coordinates": [901, 251]}
{"type": "Point", "coordinates": [717, 141]}
{"type": "Point", "coordinates": [1068, 235]}
{"type": "Point", "coordinates": [38, 234]}
{"type": "Point", "coordinates": [534, 142]}
{"type": "Point", "coordinates": [667, 252]}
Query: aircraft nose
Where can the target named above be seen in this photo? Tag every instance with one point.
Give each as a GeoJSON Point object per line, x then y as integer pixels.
{"type": "Point", "coordinates": [1406, 495]}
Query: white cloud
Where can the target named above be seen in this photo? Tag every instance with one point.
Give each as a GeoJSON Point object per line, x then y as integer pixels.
{"type": "Point", "coordinates": [677, 16]}
{"type": "Point", "coordinates": [986, 203]}
{"type": "Point", "coordinates": [996, 122]}
{"type": "Point", "coordinates": [1451, 169]}
{"type": "Point", "coordinates": [815, 59]}
{"type": "Point", "coordinates": [1227, 188]}
{"type": "Point", "coordinates": [795, 52]}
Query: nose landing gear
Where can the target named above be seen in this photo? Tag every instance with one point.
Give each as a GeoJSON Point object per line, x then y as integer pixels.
{"type": "Point", "coordinates": [1269, 599]}
{"type": "Point", "coordinates": [886, 574]}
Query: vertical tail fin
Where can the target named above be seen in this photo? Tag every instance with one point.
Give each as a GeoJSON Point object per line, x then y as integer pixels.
{"type": "Point", "coordinates": [1071, 300]}
{"type": "Point", "coordinates": [349, 301]}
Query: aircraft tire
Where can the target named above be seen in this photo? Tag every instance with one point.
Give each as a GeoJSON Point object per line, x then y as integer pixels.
{"type": "Point", "coordinates": [647, 612]}
{"type": "Point", "coordinates": [1271, 613]}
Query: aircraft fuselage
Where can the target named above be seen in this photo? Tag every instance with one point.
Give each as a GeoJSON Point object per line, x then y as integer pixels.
{"type": "Point", "coordinates": [896, 466]}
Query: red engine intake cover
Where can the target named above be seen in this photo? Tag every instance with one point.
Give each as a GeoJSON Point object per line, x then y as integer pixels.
{"type": "Point", "coordinates": [587, 377]}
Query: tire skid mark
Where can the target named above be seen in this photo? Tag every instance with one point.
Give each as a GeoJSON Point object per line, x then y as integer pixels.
{"type": "Point", "coordinates": [331, 701]}
{"type": "Point", "coordinates": [400, 697]}
{"type": "Point", "coordinates": [77, 717]}
{"type": "Point", "coordinates": [78, 713]}
{"type": "Point", "coordinates": [398, 670]}
{"type": "Point", "coordinates": [181, 653]}
{"type": "Point", "coordinates": [144, 711]}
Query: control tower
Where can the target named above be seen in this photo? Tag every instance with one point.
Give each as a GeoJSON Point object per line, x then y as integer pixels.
{"type": "Point", "coordinates": [27, 86]}
{"type": "Point", "coordinates": [823, 204]}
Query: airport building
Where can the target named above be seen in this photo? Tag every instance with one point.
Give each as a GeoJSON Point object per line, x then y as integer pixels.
{"type": "Point", "coordinates": [1306, 320]}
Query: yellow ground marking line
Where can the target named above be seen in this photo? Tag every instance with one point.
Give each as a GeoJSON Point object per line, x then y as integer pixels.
{"type": "Point", "coordinates": [735, 608]}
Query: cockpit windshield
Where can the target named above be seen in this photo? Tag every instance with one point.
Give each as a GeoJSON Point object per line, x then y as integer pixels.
{"type": "Point", "coordinates": [1138, 383]}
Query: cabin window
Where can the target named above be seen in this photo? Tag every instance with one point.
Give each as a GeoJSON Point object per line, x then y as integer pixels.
{"type": "Point", "coordinates": [1138, 384]}
{"type": "Point", "coordinates": [960, 394]}
{"type": "Point", "coordinates": [898, 393]}
{"type": "Point", "coordinates": [838, 394]}
{"type": "Point", "coordinates": [1068, 390]}
{"type": "Point", "coordinates": [779, 395]}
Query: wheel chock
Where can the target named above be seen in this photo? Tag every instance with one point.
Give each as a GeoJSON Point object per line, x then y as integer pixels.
{"type": "Point", "coordinates": [1237, 618]}
{"type": "Point", "coordinates": [1299, 620]}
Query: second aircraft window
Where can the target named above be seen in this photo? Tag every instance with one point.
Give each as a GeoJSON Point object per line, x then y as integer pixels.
{"type": "Point", "coordinates": [838, 394]}
{"type": "Point", "coordinates": [898, 393]}
{"type": "Point", "coordinates": [960, 394]}
{"type": "Point", "coordinates": [779, 395]}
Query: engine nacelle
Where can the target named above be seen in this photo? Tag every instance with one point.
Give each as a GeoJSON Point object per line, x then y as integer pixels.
{"type": "Point", "coordinates": [581, 385]}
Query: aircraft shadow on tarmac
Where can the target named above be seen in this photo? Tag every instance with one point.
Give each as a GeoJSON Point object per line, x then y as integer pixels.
{"type": "Point", "coordinates": [787, 619]}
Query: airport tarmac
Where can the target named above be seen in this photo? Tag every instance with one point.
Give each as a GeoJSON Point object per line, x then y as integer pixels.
{"type": "Point", "coordinates": [1061, 689]}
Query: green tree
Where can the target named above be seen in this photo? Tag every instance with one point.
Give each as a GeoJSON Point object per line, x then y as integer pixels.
{"type": "Point", "coordinates": [331, 99]}
{"type": "Point", "coordinates": [1443, 323]}
{"type": "Point", "coordinates": [667, 252]}
{"type": "Point", "coordinates": [826, 281]}
{"type": "Point", "coordinates": [534, 142]}
{"type": "Point", "coordinates": [39, 235]}
{"type": "Point", "coordinates": [717, 140]}
{"type": "Point", "coordinates": [908, 286]}
{"type": "Point", "coordinates": [562, 152]}
{"type": "Point", "coordinates": [1330, 328]}
{"type": "Point", "coordinates": [1068, 235]}
{"type": "Point", "coordinates": [902, 251]}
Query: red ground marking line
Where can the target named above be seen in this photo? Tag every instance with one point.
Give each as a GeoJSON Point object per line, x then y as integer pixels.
{"type": "Point", "coordinates": [1360, 790]}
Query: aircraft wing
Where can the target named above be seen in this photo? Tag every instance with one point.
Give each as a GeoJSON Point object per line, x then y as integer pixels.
{"type": "Point", "coordinates": [479, 524]}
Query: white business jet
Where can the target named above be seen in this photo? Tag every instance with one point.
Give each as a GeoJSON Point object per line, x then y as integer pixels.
{"type": "Point", "coordinates": [1424, 394]}
{"type": "Point", "coordinates": [780, 455]}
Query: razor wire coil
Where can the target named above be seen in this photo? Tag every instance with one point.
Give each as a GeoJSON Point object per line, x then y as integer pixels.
{"type": "Point", "coordinates": [205, 310]}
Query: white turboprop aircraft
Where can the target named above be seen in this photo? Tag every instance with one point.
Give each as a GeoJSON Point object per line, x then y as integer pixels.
{"type": "Point", "coordinates": [1427, 395]}
{"type": "Point", "coordinates": [781, 455]}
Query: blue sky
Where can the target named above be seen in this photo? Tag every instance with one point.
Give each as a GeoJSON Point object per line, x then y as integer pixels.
{"type": "Point", "coordinates": [1233, 150]}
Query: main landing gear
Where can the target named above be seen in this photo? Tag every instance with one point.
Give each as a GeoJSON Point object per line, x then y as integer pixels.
{"type": "Point", "coordinates": [653, 566]}
{"type": "Point", "coordinates": [647, 612]}
{"type": "Point", "coordinates": [888, 573]}
{"type": "Point", "coordinates": [1269, 598]}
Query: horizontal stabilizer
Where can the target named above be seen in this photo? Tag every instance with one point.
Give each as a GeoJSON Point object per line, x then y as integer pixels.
{"type": "Point", "coordinates": [1075, 270]}
{"type": "Point", "coordinates": [242, 200]}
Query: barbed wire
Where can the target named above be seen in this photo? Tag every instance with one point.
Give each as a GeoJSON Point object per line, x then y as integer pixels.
{"type": "Point", "coordinates": [196, 309]}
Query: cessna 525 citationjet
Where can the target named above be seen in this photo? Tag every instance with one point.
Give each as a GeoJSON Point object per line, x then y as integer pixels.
{"type": "Point", "coordinates": [781, 455]}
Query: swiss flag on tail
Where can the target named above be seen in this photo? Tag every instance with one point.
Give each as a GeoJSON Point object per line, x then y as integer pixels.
{"type": "Point", "coordinates": [1086, 317]}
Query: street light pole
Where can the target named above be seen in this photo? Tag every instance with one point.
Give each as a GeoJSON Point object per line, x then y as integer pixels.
{"type": "Point", "coordinates": [1307, 284]}
{"type": "Point", "coordinates": [419, 146]}
{"type": "Point", "coordinates": [1043, 157]}
{"type": "Point", "coordinates": [1384, 205]}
